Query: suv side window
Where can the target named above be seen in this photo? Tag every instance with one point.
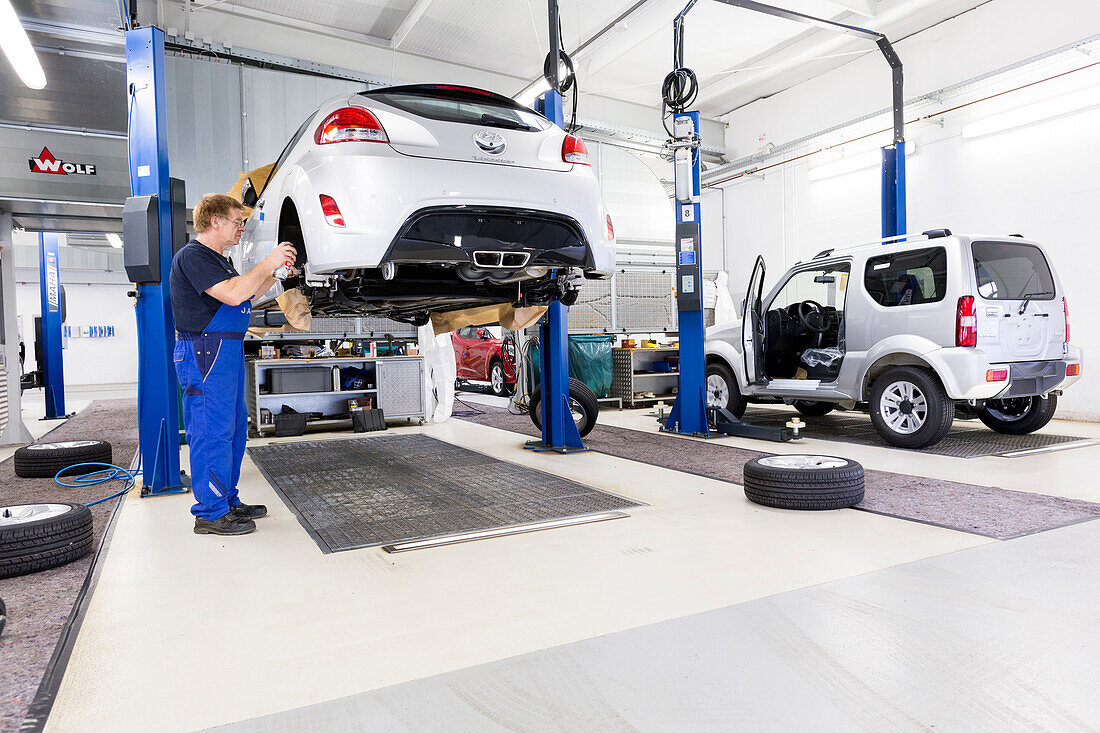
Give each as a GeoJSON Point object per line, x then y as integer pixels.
{"type": "Point", "coordinates": [907, 278]}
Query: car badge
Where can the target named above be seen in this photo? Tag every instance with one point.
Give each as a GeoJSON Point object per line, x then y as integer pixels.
{"type": "Point", "coordinates": [489, 141]}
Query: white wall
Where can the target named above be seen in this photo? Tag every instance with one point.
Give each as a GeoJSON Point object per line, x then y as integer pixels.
{"type": "Point", "coordinates": [92, 299]}
{"type": "Point", "coordinates": [1039, 180]}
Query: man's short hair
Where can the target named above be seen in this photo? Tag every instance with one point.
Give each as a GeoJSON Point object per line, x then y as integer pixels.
{"type": "Point", "coordinates": [211, 205]}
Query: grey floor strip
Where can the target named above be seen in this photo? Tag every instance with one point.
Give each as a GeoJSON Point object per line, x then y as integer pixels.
{"type": "Point", "coordinates": [999, 637]}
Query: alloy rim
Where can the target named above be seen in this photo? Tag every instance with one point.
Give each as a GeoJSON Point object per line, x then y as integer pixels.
{"type": "Point", "coordinates": [903, 407]}
{"type": "Point", "coordinates": [803, 463]}
{"type": "Point", "coordinates": [64, 444]}
{"type": "Point", "coordinates": [1009, 410]}
{"type": "Point", "coordinates": [718, 392]}
{"type": "Point", "coordinates": [25, 513]}
{"type": "Point", "coordinates": [497, 378]}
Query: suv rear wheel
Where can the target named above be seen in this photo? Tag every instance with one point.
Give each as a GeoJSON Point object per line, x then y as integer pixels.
{"type": "Point", "coordinates": [909, 408]}
{"type": "Point", "coordinates": [1018, 415]}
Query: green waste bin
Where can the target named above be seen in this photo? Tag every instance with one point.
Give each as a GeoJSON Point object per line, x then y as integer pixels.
{"type": "Point", "coordinates": [589, 361]}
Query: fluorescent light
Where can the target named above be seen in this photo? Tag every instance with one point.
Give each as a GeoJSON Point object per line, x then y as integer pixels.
{"type": "Point", "coordinates": [1032, 113]}
{"type": "Point", "coordinates": [528, 95]}
{"type": "Point", "coordinates": [114, 240]}
{"type": "Point", "coordinates": [17, 47]}
{"type": "Point", "coordinates": [853, 163]}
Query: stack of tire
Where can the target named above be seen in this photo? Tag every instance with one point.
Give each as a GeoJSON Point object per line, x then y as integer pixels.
{"type": "Point", "coordinates": [48, 534]}
{"type": "Point", "coordinates": [37, 537]}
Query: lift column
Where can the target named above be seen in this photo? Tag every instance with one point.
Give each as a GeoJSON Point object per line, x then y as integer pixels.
{"type": "Point", "coordinates": [53, 373]}
{"type": "Point", "coordinates": [689, 412]}
{"type": "Point", "coordinates": [158, 408]}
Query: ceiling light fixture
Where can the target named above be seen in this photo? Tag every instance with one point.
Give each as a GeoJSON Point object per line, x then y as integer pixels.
{"type": "Point", "coordinates": [114, 240]}
{"type": "Point", "coordinates": [17, 47]}
{"type": "Point", "coordinates": [1032, 113]}
{"type": "Point", "coordinates": [853, 163]}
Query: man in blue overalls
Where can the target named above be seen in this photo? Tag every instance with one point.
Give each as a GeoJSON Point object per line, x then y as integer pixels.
{"type": "Point", "coordinates": [212, 308]}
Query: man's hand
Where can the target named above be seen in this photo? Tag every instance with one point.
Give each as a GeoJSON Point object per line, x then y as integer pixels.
{"type": "Point", "coordinates": [282, 253]}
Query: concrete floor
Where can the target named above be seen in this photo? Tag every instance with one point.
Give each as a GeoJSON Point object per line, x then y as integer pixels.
{"type": "Point", "coordinates": [701, 611]}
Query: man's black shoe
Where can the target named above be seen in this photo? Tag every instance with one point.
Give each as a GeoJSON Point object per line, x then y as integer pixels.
{"type": "Point", "coordinates": [226, 525]}
{"type": "Point", "coordinates": [249, 511]}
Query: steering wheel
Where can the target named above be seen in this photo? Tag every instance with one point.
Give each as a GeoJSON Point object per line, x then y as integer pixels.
{"type": "Point", "coordinates": [813, 316]}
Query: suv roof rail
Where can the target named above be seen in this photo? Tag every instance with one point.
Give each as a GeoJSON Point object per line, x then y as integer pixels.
{"type": "Point", "coordinates": [822, 253]}
{"type": "Point", "coordinates": [937, 233]}
{"type": "Point", "coordinates": [1021, 236]}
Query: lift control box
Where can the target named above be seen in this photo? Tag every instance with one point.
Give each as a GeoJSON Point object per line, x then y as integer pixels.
{"type": "Point", "coordinates": [141, 232]}
{"type": "Point", "coordinates": [689, 286]}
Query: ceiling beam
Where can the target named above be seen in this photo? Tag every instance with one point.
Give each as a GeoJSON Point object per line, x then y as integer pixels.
{"type": "Point", "coordinates": [407, 24]}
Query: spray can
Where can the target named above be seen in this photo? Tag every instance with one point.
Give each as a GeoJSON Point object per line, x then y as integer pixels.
{"type": "Point", "coordinates": [283, 271]}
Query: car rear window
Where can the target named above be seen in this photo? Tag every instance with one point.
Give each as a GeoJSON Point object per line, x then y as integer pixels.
{"type": "Point", "coordinates": [1012, 271]}
{"type": "Point", "coordinates": [461, 104]}
{"type": "Point", "coordinates": [907, 278]}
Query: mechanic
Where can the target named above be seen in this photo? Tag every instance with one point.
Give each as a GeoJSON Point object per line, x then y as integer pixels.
{"type": "Point", "coordinates": [212, 308]}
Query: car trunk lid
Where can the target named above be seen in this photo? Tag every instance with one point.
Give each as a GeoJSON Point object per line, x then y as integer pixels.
{"type": "Point", "coordinates": [446, 122]}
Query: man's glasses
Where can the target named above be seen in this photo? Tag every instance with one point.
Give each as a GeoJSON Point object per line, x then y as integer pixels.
{"type": "Point", "coordinates": [238, 223]}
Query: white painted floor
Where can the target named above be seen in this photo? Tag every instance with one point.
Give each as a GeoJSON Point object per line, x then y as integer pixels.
{"type": "Point", "coordinates": [186, 632]}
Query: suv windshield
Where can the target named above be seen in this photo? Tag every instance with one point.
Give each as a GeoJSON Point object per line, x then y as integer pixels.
{"type": "Point", "coordinates": [1012, 271]}
{"type": "Point", "coordinates": [461, 104]}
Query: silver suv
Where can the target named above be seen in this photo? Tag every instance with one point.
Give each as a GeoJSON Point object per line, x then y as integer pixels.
{"type": "Point", "coordinates": [935, 326]}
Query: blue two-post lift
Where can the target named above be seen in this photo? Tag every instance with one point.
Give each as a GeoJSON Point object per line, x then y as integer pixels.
{"type": "Point", "coordinates": [559, 431]}
{"type": "Point", "coordinates": [689, 412]}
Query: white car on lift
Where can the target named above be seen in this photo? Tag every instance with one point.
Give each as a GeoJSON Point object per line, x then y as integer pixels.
{"type": "Point", "coordinates": [411, 199]}
{"type": "Point", "coordinates": [930, 328]}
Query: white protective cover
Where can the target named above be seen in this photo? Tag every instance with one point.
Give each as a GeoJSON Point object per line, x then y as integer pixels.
{"type": "Point", "coordinates": [439, 361]}
{"type": "Point", "coordinates": [724, 309]}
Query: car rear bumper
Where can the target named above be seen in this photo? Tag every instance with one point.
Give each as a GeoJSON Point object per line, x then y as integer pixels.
{"type": "Point", "coordinates": [380, 194]}
{"type": "Point", "coordinates": [964, 374]}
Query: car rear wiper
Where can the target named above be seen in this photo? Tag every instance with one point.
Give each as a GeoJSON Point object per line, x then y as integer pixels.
{"type": "Point", "coordinates": [487, 119]}
{"type": "Point", "coordinates": [1028, 296]}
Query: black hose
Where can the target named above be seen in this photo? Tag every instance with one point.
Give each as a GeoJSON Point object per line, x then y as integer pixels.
{"type": "Point", "coordinates": [564, 84]}
{"type": "Point", "coordinates": [678, 92]}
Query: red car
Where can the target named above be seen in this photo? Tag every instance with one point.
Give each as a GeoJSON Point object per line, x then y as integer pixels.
{"type": "Point", "coordinates": [482, 357]}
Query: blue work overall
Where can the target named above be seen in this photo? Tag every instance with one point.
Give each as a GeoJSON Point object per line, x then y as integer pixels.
{"type": "Point", "coordinates": [210, 368]}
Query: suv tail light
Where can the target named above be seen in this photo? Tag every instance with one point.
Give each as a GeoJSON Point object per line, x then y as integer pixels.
{"type": "Point", "coordinates": [610, 230]}
{"type": "Point", "coordinates": [1065, 310]}
{"type": "Point", "coordinates": [331, 211]}
{"type": "Point", "coordinates": [573, 150]}
{"type": "Point", "coordinates": [350, 124]}
{"type": "Point", "coordinates": [966, 322]}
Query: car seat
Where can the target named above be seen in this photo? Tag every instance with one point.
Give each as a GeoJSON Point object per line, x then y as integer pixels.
{"type": "Point", "coordinates": [905, 290]}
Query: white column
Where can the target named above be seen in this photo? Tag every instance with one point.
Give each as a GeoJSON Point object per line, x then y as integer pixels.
{"type": "Point", "coordinates": [14, 431]}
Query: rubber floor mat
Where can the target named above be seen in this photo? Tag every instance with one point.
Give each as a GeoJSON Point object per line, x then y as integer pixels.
{"type": "Point", "coordinates": [366, 492]}
{"type": "Point", "coordinates": [983, 510]}
{"type": "Point", "coordinates": [967, 439]}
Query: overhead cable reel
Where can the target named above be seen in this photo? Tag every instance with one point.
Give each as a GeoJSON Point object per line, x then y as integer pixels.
{"type": "Point", "coordinates": [678, 92]}
{"type": "Point", "coordinates": [565, 83]}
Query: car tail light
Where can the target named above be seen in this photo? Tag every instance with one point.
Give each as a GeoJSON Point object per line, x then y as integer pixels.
{"type": "Point", "coordinates": [348, 125]}
{"type": "Point", "coordinates": [1072, 370]}
{"type": "Point", "coordinates": [331, 211]}
{"type": "Point", "coordinates": [1065, 310]}
{"type": "Point", "coordinates": [610, 229]}
{"type": "Point", "coordinates": [996, 375]}
{"type": "Point", "coordinates": [573, 150]}
{"type": "Point", "coordinates": [966, 322]}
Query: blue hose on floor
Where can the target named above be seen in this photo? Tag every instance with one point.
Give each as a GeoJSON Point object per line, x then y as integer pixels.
{"type": "Point", "coordinates": [108, 472]}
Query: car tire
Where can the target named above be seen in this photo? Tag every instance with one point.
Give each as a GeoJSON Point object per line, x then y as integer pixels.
{"type": "Point", "coordinates": [583, 401]}
{"type": "Point", "coordinates": [804, 482]}
{"type": "Point", "coordinates": [498, 381]}
{"type": "Point", "coordinates": [3, 616]}
{"type": "Point", "coordinates": [1018, 416]}
{"type": "Point", "coordinates": [36, 537]}
{"type": "Point", "coordinates": [810, 408]}
{"type": "Point", "coordinates": [909, 407]}
{"type": "Point", "coordinates": [722, 389]}
{"type": "Point", "coordinates": [44, 460]}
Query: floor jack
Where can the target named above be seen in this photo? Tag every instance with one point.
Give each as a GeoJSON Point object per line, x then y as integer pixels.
{"type": "Point", "coordinates": [721, 420]}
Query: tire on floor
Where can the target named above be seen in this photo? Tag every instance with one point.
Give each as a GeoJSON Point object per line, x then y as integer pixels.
{"type": "Point", "coordinates": [804, 482]}
{"type": "Point", "coordinates": [582, 402]}
{"type": "Point", "coordinates": [36, 537]}
{"type": "Point", "coordinates": [44, 460]}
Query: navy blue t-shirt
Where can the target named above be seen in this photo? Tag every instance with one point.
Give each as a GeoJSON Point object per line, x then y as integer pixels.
{"type": "Point", "coordinates": [195, 268]}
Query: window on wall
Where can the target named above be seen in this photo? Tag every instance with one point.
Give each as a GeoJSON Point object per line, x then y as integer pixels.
{"type": "Point", "coordinates": [907, 278]}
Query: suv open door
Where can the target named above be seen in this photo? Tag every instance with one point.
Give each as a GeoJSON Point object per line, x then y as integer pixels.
{"type": "Point", "coordinates": [752, 324]}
